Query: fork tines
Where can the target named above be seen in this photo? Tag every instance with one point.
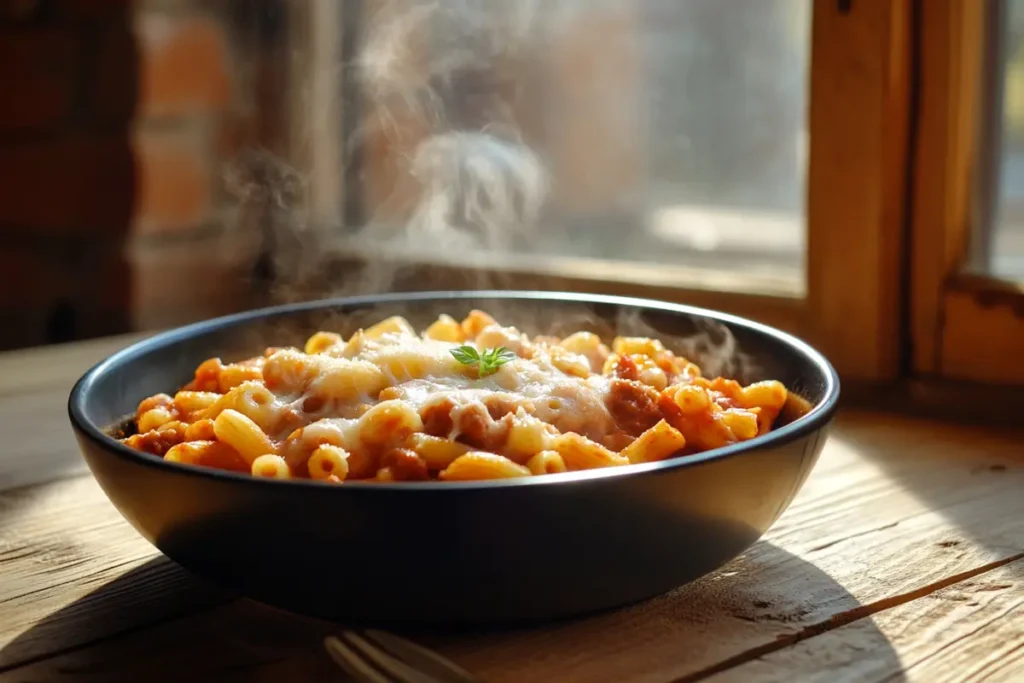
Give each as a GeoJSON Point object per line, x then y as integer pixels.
{"type": "Point", "coordinates": [379, 657]}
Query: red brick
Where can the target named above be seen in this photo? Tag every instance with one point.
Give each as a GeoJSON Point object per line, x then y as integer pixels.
{"type": "Point", "coordinates": [101, 322]}
{"type": "Point", "coordinates": [90, 282]}
{"type": "Point", "coordinates": [86, 271]}
{"type": "Point", "coordinates": [104, 280]}
{"type": "Point", "coordinates": [22, 328]}
{"type": "Point", "coordinates": [175, 180]}
{"type": "Point", "coordinates": [37, 68]}
{"type": "Point", "coordinates": [19, 10]}
{"type": "Point", "coordinates": [184, 65]}
{"type": "Point", "coordinates": [111, 88]}
{"type": "Point", "coordinates": [73, 184]}
{"type": "Point", "coordinates": [235, 133]}
{"type": "Point", "coordinates": [173, 284]}
{"type": "Point", "coordinates": [28, 279]}
{"type": "Point", "coordinates": [91, 9]}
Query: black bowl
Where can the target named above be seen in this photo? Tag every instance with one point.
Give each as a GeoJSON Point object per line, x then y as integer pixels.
{"type": "Point", "coordinates": [494, 551]}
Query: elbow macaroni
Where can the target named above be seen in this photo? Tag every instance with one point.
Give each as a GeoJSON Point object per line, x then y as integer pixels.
{"type": "Point", "coordinates": [271, 467]}
{"type": "Point", "coordinates": [242, 434]}
{"type": "Point", "coordinates": [546, 462]}
{"type": "Point", "coordinates": [388, 405]}
{"type": "Point", "coordinates": [480, 465]}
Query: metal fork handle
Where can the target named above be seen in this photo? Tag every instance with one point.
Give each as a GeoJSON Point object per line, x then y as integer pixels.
{"type": "Point", "coordinates": [379, 657]}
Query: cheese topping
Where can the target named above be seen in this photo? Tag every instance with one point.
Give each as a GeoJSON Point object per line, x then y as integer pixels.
{"type": "Point", "coordinates": [423, 373]}
{"type": "Point", "coordinates": [465, 400]}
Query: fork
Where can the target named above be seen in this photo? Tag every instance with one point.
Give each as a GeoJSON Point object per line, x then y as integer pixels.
{"type": "Point", "coordinates": [373, 656]}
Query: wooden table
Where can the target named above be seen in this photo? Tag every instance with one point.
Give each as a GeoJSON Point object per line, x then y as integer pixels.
{"type": "Point", "coordinates": [901, 559]}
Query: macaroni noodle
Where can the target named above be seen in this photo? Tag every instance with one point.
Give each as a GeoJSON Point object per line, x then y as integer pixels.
{"type": "Point", "coordinates": [466, 400]}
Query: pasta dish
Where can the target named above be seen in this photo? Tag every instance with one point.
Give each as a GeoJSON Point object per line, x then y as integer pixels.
{"type": "Point", "coordinates": [464, 400]}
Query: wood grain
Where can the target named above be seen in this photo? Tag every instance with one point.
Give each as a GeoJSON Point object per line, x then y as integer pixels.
{"type": "Point", "coordinates": [67, 558]}
{"type": "Point", "coordinates": [945, 146]}
{"type": "Point", "coordinates": [240, 642]}
{"type": "Point", "coordinates": [971, 631]}
{"type": "Point", "coordinates": [317, 140]}
{"type": "Point", "coordinates": [34, 389]}
{"type": "Point", "coordinates": [58, 366]}
{"type": "Point", "coordinates": [856, 536]}
{"type": "Point", "coordinates": [962, 326]}
{"type": "Point", "coordinates": [895, 509]}
{"type": "Point", "coordinates": [983, 337]}
{"type": "Point", "coordinates": [859, 117]}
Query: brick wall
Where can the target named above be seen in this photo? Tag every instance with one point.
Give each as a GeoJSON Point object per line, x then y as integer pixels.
{"type": "Point", "coordinates": [116, 124]}
{"type": "Point", "coordinates": [195, 111]}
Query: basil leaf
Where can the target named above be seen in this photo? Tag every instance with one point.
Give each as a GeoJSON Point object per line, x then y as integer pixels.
{"type": "Point", "coordinates": [503, 355]}
{"type": "Point", "coordinates": [466, 355]}
{"type": "Point", "coordinates": [487, 362]}
{"type": "Point", "coordinates": [493, 359]}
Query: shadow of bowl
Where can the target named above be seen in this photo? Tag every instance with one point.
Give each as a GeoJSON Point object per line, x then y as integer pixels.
{"type": "Point", "coordinates": [743, 622]}
{"type": "Point", "coordinates": [501, 550]}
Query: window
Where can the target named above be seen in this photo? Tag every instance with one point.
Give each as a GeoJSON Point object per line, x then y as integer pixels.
{"type": "Point", "coordinates": [749, 156]}
{"type": "Point", "coordinates": [966, 300]}
{"type": "Point", "coordinates": [652, 133]}
{"type": "Point", "coordinates": [1001, 251]}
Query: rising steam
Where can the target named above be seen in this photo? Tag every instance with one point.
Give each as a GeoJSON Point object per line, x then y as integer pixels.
{"type": "Point", "coordinates": [476, 184]}
{"type": "Point", "coordinates": [477, 190]}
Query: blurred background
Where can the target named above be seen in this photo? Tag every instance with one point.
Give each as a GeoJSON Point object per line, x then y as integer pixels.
{"type": "Point", "coordinates": [163, 161]}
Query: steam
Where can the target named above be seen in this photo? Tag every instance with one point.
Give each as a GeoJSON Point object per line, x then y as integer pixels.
{"type": "Point", "coordinates": [478, 184]}
{"type": "Point", "coordinates": [412, 44]}
{"type": "Point", "coordinates": [711, 345]}
{"type": "Point", "coordinates": [271, 229]}
{"type": "Point", "coordinates": [476, 189]}
{"type": "Point", "coordinates": [464, 180]}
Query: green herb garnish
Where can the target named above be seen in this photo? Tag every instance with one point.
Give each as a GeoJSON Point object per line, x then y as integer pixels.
{"type": "Point", "coordinates": [487, 362]}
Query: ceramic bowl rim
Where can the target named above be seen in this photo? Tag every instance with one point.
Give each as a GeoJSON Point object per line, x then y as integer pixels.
{"type": "Point", "coordinates": [814, 420]}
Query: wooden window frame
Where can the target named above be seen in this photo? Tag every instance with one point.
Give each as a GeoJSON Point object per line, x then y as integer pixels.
{"type": "Point", "coordinates": [859, 118]}
{"type": "Point", "coordinates": [965, 326]}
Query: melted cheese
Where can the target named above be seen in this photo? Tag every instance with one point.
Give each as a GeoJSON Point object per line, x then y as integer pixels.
{"type": "Point", "coordinates": [423, 373]}
{"type": "Point", "coordinates": [402, 407]}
